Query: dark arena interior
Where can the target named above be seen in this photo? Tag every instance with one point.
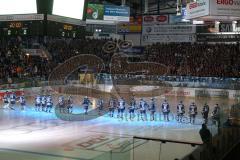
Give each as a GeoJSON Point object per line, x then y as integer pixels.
{"type": "Point", "coordinates": [119, 79]}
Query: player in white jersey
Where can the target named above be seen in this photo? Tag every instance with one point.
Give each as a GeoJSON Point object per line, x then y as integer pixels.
{"type": "Point", "coordinates": [38, 103]}
{"type": "Point", "coordinates": [143, 109]}
{"type": "Point", "coordinates": [22, 101]}
{"type": "Point", "coordinates": [13, 98]}
{"type": "Point", "coordinates": [121, 106]}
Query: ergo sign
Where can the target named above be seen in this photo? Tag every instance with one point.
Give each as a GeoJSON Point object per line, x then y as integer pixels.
{"type": "Point", "coordinates": [228, 2]}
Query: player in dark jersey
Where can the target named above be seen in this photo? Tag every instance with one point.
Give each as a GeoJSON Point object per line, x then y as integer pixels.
{"type": "Point", "coordinates": [86, 103]}
{"type": "Point", "coordinates": [111, 106]}
{"type": "Point", "coordinates": [49, 104]}
{"type": "Point", "coordinates": [70, 105]}
{"type": "Point", "coordinates": [165, 110]}
{"type": "Point", "coordinates": [152, 109]}
{"type": "Point", "coordinates": [205, 112]}
{"type": "Point", "coordinates": [132, 108]}
{"type": "Point", "coordinates": [192, 112]}
{"type": "Point", "coordinates": [180, 111]}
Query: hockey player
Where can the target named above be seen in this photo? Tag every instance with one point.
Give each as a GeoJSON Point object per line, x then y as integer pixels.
{"type": "Point", "coordinates": [165, 110]}
{"type": "Point", "coordinates": [22, 101]}
{"type": "Point", "coordinates": [13, 98]}
{"type": "Point", "coordinates": [131, 108]}
{"type": "Point", "coordinates": [49, 104]}
{"type": "Point", "coordinates": [205, 112]}
{"type": "Point", "coordinates": [38, 103]}
{"type": "Point", "coordinates": [111, 107]}
{"type": "Point", "coordinates": [70, 104]}
{"type": "Point", "coordinates": [61, 104]}
{"type": "Point", "coordinates": [152, 109]}
{"type": "Point", "coordinates": [216, 114]}
{"type": "Point", "coordinates": [180, 111]}
{"type": "Point", "coordinates": [86, 103]}
{"type": "Point", "coordinates": [100, 105]}
{"type": "Point", "coordinates": [5, 100]}
{"type": "Point", "coordinates": [121, 107]}
{"type": "Point", "coordinates": [143, 107]}
{"type": "Point", "coordinates": [43, 103]}
{"type": "Point", "coordinates": [5, 97]}
{"type": "Point", "coordinates": [192, 112]}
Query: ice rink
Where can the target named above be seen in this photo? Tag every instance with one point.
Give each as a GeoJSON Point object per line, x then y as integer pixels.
{"type": "Point", "coordinates": [31, 135]}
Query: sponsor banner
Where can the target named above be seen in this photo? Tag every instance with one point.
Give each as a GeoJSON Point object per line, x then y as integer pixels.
{"type": "Point", "coordinates": [169, 29]}
{"type": "Point", "coordinates": [225, 27]}
{"type": "Point", "coordinates": [212, 93]}
{"type": "Point", "coordinates": [168, 38]}
{"type": "Point", "coordinates": [197, 9]}
{"type": "Point", "coordinates": [22, 17]}
{"type": "Point", "coordinates": [179, 92]}
{"type": "Point", "coordinates": [134, 26]}
{"type": "Point", "coordinates": [95, 12]}
{"type": "Point", "coordinates": [116, 13]}
{"type": "Point", "coordinates": [100, 13]}
{"type": "Point", "coordinates": [225, 7]}
{"type": "Point", "coordinates": [218, 37]}
{"type": "Point", "coordinates": [155, 20]}
{"type": "Point", "coordinates": [201, 92]}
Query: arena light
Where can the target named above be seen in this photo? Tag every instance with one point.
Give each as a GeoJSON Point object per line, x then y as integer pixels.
{"type": "Point", "coordinates": [72, 9]}
{"type": "Point", "coordinates": [18, 7]}
{"type": "Point", "coordinates": [198, 22]}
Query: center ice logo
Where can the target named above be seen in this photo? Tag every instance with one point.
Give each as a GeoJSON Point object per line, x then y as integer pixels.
{"type": "Point", "coordinates": [126, 76]}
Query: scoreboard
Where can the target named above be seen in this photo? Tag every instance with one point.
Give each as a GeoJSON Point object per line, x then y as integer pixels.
{"type": "Point", "coordinates": [9, 28]}
{"type": "Point", "coordinates": [64, 30]}
{"type": "Point", "coordinates": [40, 28]}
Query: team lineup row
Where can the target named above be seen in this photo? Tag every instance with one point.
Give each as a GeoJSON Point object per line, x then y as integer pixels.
{"type": "Point", "coordinates": [45, 103]}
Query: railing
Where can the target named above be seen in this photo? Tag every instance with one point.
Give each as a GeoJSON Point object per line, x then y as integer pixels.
{"type": "Point", "coordinates": [145, 148]}
{"type": "Point", "coordinates": [165, 149]}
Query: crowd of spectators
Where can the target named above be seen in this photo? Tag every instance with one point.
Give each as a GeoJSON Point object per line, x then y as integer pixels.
{"type": "Point", "coordinates": [63, 49]}
{"type": "Point", "coordinates": [202, 60]}
{"type": "Point", "coordinates": [15, 63]}
{"type": "Point", "coordinates": [183, 59]}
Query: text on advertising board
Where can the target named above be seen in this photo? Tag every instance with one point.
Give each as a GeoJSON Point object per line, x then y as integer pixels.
{"type": "Point", "coordinates": [228, 2]}
{"type": "Point", "coordinates": [196, 4]}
